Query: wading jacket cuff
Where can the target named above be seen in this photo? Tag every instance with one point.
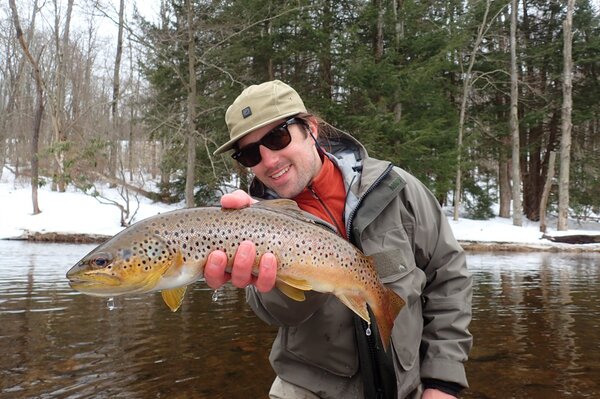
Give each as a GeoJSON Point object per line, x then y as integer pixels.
{"type": "Point", "coordinates": [451, 388]}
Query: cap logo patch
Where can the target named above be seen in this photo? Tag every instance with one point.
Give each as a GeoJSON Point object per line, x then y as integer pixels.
{"type": "Point", "coordinates": [246, 112]}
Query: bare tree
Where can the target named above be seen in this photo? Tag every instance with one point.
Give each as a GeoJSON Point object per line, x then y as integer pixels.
{"type": "Point", "coordinates": [133, 98]}
{"type": "Point", "coordinates": [468, 82]}
{"type": "Point", "coordinates": [10, 77]}
{"type": "Point", "coordinates": [14, 84]}
{"type": "Point", "coordinates": [378, 39]}
{"type": "Point", "coordinates": [546, 192]}
{"type": "Point", "coordinates": [59, 118]}
{"type": "Point", "coordinates": [191, 109]}
{"type": "Point", "coordinates": [566, 125]}
{"type": "Point", "coordinates": [398, 36]}
{"type": "Point", "coordinates": [517, 209]}
{"type": "Point", "coordinates": [114, 146]}
{"type": "Point", "coordinates": [37, 123]}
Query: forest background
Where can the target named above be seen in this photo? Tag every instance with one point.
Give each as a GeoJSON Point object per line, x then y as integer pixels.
{"type": "Point", "coordinates": [475, 97]}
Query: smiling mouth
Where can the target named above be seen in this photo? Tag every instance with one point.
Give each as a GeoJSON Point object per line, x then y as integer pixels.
{"type": "Point", "coordinates": [280, 173]}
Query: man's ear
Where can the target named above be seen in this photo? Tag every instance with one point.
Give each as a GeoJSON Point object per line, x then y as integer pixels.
{"type": "Point", "coordinates": [313, 126]}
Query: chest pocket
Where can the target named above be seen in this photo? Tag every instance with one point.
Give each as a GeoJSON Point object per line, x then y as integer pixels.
{"type": "Point", "coordinates": [388, 243]}
{"type": "Point", "coordinates": [393, 264]}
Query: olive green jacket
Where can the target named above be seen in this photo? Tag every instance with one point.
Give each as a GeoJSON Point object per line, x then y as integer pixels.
{"type": "Point", "coordinates": [393, 217]}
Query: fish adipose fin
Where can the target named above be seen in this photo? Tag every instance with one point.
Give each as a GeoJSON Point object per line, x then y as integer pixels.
{"type": "Point", "coordinates": [173, 297]}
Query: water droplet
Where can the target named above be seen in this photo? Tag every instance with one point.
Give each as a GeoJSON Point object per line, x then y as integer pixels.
{"type": "Point", "coordinates": [215, 296]}
{"type": "Point", "coordinates": [368, 331]}
{"type": "Point", "coordinates": [110, 304]}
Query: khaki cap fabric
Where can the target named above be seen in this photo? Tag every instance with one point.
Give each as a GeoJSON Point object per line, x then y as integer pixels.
{"type": "Point", "coordinates": [258, 106]}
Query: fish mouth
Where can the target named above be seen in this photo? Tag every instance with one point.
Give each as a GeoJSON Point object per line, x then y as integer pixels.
{"type": "Point", "coordinates": [94, 284]}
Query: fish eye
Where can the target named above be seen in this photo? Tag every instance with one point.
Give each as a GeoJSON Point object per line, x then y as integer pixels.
{"type": "Point", "coordinates": [101, 260]}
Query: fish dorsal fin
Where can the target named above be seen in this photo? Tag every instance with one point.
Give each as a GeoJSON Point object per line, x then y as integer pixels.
{"type": "Point", "coordinates": [173, 297]}
{"type": "Point", "coordinates": [286, 207]}
{"type": "Point", "coordinates": [290, 208]}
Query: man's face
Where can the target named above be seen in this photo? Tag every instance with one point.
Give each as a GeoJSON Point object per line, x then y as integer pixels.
{"type": "Point", "coordinates": [290, 170]}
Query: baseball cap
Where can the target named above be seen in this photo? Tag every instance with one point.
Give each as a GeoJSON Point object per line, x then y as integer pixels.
{"type": "Point", "coordinates": [258, 106]}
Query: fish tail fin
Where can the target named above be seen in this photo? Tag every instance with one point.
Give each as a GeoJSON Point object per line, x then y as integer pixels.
{"type": "Point", "coordinates": [386, 313]}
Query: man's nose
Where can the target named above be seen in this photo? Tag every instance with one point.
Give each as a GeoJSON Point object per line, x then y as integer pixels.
{"type": "Point", "coordinates": [269, 157]}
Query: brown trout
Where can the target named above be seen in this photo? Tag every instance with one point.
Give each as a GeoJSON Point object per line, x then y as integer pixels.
{"type": "Point", "coordinates": [167, 252]}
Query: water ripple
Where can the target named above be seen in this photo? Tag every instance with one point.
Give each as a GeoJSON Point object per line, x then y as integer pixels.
{"type": "Point", "coordinates": [534, 320]}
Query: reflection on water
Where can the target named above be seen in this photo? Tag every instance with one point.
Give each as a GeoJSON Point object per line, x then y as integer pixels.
{"type": "Point", "coordinates": [535, 325]}
{"type": "Point", "coordinates": [58, 343]}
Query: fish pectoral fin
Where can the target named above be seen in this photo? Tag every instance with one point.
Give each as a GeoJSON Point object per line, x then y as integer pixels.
{"type": "Point", "coordinates": [173, 297]}
{"type": "Point", "coordinates": [296, 282]}
{"type": "Point", "coordinates": [357, 305]}
{"type": "Point", "coordinates": [293, 287]}
{"type": "Point", "coordinates": [291, 292]}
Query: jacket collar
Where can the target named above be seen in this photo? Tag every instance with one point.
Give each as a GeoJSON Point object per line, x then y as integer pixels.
{"type": "Point", "coordinates": [359, 170]}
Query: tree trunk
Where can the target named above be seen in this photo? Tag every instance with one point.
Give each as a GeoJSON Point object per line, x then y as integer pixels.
{"type": "Point", "coordinates": [325, 63]}
{"type": "Point", "coordinates": [136, 86]}
{"type": "Point", "coordinates": [10, 121]}
{"type": "Point", "coordinates": [467, 84]}
{"type": "Point", "coordinates": [191, 110]}
{"type": "Point", "coordinates": [7, 122]}
{"type": "Point", "coordinates": [164, 173]}
{"type": "Point", "coordinates": [378, 38]}
{"type": "Point", "coordinates": [37, 123]}
{"type": "Point", "coordinates": [398, 36]}
{"type": "Point", "coordinates": [114, 145]}
{"type": "Point", "coordinates": [546, 193]}
{"type": "Point", "coordinates": [270, 72]}
{"type": "Point", "coordinates": [399, 25]}
{"type": "Point", "coordinates": [517, 209]}
{"type": "Point", "coordinates": [504, 182]}
{"type": "Point", "coordinates": [58, 108]}
{"type": "Point", "coordinates": [566, 125]}
{"type": "Point", "coordinates": [459, 144]}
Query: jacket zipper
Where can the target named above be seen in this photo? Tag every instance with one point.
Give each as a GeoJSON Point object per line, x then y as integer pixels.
{"type": "Point", "coordinates": [326, 208]}
{"type": "Point", "coordinates": [370, 337]}
{"type": "Point", "coordinates": [360, 200]}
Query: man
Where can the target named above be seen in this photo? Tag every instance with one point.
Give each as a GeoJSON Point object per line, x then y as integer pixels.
{"type": "Point", "coordinates": [321, 350]}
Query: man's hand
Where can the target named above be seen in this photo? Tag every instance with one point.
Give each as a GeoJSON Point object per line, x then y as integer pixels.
{"type": "Point", "coordinates": [436, 394]}
{"type": "Point", "coordinates": [237, 199]}
{"type": "Point", "coordinates": [241, 272]}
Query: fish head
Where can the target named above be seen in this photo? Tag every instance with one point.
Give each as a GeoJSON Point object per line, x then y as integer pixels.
{"type": "Point", "coordinates": [130, 262]}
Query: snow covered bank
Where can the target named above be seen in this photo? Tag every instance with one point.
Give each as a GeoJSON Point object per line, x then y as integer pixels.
{"type": "Point", "coordinates": [75, 213]}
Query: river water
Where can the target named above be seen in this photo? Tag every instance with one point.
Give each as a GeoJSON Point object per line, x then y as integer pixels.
{"type": "Point", "coordinates": [536, 325]}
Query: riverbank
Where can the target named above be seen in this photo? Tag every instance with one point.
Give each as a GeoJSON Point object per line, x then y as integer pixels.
{"type": "Point", "coordinates": [470, 246]}
{"type": "Point", "coordinates": [75, 217]}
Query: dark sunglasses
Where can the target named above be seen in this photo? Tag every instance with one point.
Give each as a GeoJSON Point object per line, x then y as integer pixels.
{"type": "Point", "coordinates": [277, 139]}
